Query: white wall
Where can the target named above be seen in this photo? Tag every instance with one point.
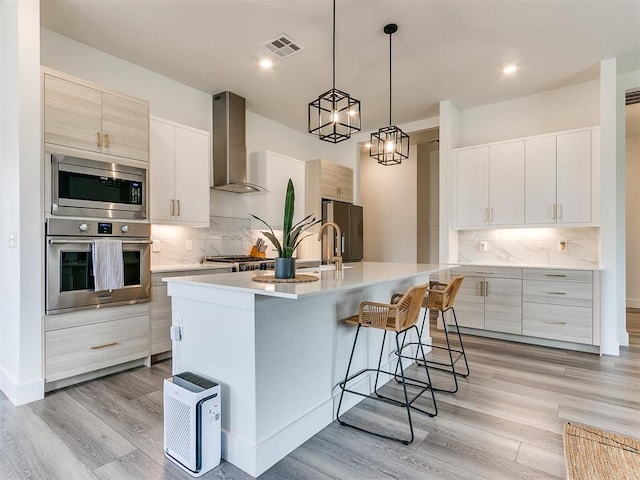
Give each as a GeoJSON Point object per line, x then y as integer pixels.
{"type": "Point", "coordinates": [21, 270]}
{"type": "Point", "coordinates": [389, 200]}
{"type": "Point", "coordinates": [633, 221]}
{"type": "Point", "coordinates": [169, 99]}
{"type": "Point", "coordinates": [565, 108]}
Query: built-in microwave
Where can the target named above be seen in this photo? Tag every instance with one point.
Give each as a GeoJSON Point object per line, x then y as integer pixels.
{"type": "Point", "coordinates": [89, 188]}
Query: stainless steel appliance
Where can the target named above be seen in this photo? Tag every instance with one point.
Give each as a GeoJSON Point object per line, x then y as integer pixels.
{"type": "Point", "coordinates": [243, 263]}
{"type": "Point", "coordinates": [88, 188]}
{"type": "Point", "coordinates": [349, 218]}
{"type": "Point", "coordinates": [69, 269]}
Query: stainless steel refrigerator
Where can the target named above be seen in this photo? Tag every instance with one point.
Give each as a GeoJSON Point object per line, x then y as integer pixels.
{"type": "Point", "coordinates": [349, 218]}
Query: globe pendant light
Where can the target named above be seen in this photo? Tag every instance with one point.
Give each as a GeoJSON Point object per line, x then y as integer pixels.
{"type": "Point", "coordinates": [389, 145]}
{"type": "Point", "coordinates": [334, 115]}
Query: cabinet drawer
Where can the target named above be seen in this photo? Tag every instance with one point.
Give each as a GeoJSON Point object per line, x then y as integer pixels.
{"type": "Point", "coordinates": [558, 293]}
{"type": "Point", "coordinates": [76, 350]}
{"type": "Point", "coordinates": [558, 275]}
{"type": "Point", "coordinates": [558, 322]}
{"type": "Point", "coordinates": [487, 271]}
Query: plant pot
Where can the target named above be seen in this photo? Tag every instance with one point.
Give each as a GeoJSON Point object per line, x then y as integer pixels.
{"type": "Point", "coordinates": [285, 267]}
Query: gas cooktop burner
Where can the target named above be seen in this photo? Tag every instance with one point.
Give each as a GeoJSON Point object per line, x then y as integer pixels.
{"type": "Point", "coordinates": [235, 258]}
{"type": "Point", "coordinates": [243, 263]}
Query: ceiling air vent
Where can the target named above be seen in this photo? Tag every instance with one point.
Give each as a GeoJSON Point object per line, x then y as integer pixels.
{"type": "Point", "coordinates": [632, 97]}
{"type": "Point", "coordinates": [283, 46]}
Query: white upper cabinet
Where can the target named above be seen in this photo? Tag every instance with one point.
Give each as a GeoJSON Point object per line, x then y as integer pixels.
{"type": "Point", "coordinates": [491, 185]}
{"type": "Point", "coordinates": [506, 183]}
{"type": "Point", "coordinates": [473, 186]}
{"type": "Point", "coordinates": [179, 174]}
{"type": "Point", "coordinates": [545, 180]}
{"type": "Point", "coordinates": [540, 180]}
{"type": "Point", "coordinates": [85, 117]}
{"type": "Point", "coordinates": [573, 167]}
{"type": "Point", "coordinates": [559, 179]}
{"type": "Point", "coordinates": [273, 171]}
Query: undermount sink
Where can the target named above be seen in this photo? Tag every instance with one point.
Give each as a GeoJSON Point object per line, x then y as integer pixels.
{"type": "Point", "coordinates": [320, 268]}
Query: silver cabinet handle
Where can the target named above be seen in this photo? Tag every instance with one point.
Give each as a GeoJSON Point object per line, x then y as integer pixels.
{"type": "Point", "coordinates": [172, 210]}
{"type": "Point", "coordinates": [556, 293]}
{"type": "Point", "coordinates": [553, 211]}
{"type": "Point", "coordinates": [178, 202]}
{"type": "Point", "coordinates": [559, 208]}
{"type": "Point", "coordinates": [482, 272]}
{"type": "Point", "coordinates": [552, 322]}
{"type": "Point", "coordinates": [559, 275]}
{"type": "Point", "coordinates": [491, 215]}
{"type": "Point", "coordinates": [486, 289]}
{"type": "Point", "coordinates": [485, 216]}
{"type": "Point", "coordinates": [481, 288]}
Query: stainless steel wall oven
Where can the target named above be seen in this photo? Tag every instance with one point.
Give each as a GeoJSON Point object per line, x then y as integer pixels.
{"type": "Point", "coordinates": [89, 188]}
{"type": "Point", "coordinates": [69, 268]}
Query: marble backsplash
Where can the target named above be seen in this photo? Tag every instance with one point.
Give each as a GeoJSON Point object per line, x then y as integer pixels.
{"type": "Point", "coordinates": [530, 246]}
{"type": "Point", "coordinates": [224, 236]}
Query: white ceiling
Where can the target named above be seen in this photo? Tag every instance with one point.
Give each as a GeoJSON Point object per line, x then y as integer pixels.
{"type": "Point", "coordinates": [444, 49]}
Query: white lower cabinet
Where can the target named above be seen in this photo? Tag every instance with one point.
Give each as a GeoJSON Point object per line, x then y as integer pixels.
{"type": "Point", "coordinates": [552, 304]}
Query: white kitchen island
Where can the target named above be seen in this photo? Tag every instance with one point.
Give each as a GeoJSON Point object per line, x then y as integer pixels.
{"type": "Point", "coordinates": [280, 350]}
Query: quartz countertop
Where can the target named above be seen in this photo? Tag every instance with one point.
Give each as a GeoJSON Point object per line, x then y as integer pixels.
{"type": "Point", "coordinates": [547, 267]}
{"type": "Point", "coordinates": [355, 275]}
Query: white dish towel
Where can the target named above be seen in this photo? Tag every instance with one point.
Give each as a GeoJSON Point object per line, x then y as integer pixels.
{"type": "Point", "coordinates": [108, 265]}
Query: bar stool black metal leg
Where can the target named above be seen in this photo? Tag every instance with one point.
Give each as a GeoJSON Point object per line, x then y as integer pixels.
{"type": "Point", "coordinates": [451, 362]}
{"type": "Point", "coordinates": [433, 396]}
{"type": "Point", "coordinates": [346, 377]}
{"type": "Point", "coordinates": [406, 397]}
{"type": "Point", "coordinates": [462, 352]}
{"type": "Point", "coordinates": [375, 385]}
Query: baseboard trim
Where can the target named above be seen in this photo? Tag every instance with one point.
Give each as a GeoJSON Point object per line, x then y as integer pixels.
{"type": "Point", "coordinates": [20, 394]}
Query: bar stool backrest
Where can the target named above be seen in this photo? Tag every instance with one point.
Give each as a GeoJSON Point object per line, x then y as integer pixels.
{"type": "Point", "coordinates": [409, 307]}
{"type": "Point", "coordinates": [442, 296]}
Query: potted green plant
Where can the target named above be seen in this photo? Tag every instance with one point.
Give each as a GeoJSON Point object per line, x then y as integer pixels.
{"type": "Point", "coordinates": [285, 264]}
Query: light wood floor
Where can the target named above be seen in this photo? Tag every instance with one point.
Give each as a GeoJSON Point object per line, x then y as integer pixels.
{"type": "Point", "coordinates": [504, 423]}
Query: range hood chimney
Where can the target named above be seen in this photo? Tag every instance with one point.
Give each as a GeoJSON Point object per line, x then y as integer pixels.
{"type": "Point", "coordinates": [229, 144]}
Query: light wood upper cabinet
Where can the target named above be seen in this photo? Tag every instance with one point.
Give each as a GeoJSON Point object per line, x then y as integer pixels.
{"type": "Point", "coordinates": [125, 127]}
{"type": "Point", "coordinates": [85, 117]}
{"type": "Point", "coordinates": [336, 181]}
{"type": "Point", "coordinates": [179, 174]}
{"type": "Point", "coordinates": [491, 185]}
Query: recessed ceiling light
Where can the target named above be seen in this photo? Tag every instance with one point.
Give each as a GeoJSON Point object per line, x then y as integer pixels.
{"type": "Point", "coordinates": [509, 69]}
{"type": "Point", "coordinates": [266, 63]}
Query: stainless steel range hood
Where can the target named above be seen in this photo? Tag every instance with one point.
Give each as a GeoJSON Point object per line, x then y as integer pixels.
{"type": "Point", "coordinates": [229, 144]}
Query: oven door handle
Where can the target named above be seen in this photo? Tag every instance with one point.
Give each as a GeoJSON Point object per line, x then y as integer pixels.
{"type": "Point", "coordinates": [87, 242]}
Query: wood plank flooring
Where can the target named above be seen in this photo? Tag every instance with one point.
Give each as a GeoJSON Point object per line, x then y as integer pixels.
{"type": "Point", "coordinates": [505, 422]}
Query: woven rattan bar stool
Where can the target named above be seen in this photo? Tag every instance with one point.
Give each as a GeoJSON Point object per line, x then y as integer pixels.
{"type": "Point", "coordinates": [399, 318]}
{"type": "Point", "coordinates": [441, 297]}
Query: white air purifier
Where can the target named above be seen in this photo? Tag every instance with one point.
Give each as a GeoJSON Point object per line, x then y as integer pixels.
{"type": "Point", "coordinates": [192, 422]}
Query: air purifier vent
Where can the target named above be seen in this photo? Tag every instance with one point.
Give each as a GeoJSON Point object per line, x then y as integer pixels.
{"type": "Point", "coordinates": [178, 428]}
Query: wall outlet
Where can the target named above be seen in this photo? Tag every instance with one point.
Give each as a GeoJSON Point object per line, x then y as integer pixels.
{"type": "Point", "coordinates": [483, 246]}
{"type": "Point", "coordinates": [189, 245]}
{"type": "Point", "coordinates": [13, 239]}
{"type": "Point", "coordinates": [562, 245]}
{"type": "Point", "coordinates": [155, 246]}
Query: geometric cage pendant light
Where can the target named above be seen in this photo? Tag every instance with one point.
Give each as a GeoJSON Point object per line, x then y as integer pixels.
{"type": "Point", "coordinates": [389, 145]}
{"type": "Point", "coordinates": [335, 114]}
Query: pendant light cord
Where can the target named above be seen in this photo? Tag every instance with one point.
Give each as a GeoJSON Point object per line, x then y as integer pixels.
{"type": "Point", "coordinates": [390, 35]}
{"type": "Point", "coordinates": [334, 44]}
